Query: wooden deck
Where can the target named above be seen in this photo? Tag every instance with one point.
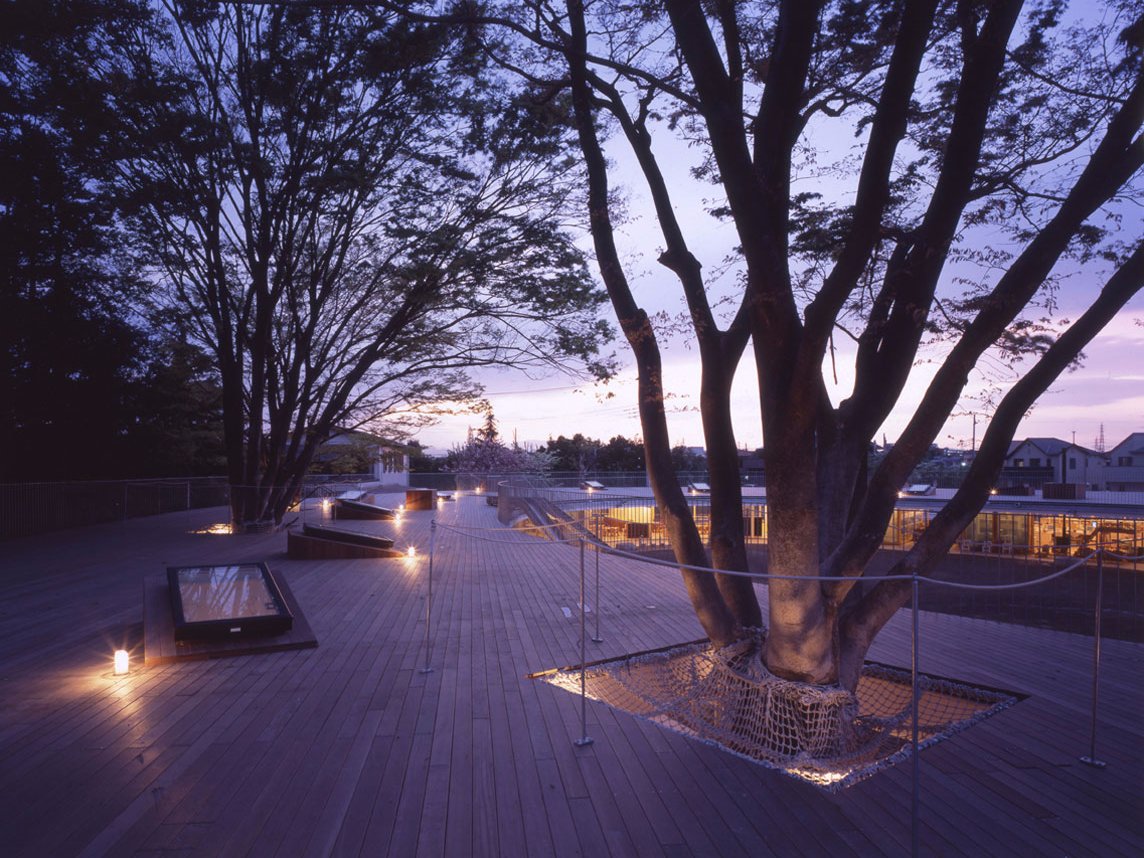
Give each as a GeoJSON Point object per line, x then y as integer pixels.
{"type": "Point", "coordinates": [349, 749]}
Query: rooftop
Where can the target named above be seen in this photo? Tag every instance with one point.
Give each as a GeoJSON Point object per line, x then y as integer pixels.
{"type": "Point", "coordinates": [350, 749]}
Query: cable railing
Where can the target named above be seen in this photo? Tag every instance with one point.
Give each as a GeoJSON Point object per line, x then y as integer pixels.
{"type": "Point", "coordinates": [27, 509]}
{"type": "Point", "coordinates": [1014, 555]}
{"type": "Point", "coordinates": [615, 681]}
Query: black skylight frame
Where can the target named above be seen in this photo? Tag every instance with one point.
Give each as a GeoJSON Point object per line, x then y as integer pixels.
{"type": "Point", "coordinates": [275, 619]}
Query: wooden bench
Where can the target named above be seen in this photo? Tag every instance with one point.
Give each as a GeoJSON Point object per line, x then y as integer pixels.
{"type": "Point", "coordinates": [315, 542]}
{"type": "Point", "coordinates": [345, 508]}
{"type": "Point", "coordinates": [420, 499]}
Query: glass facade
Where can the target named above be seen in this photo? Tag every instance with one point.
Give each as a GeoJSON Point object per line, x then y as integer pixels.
{"type": "Point", "coordinates": [635, 523]}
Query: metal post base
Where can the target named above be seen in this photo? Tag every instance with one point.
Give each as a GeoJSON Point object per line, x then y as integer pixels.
{"type": "Point", "coordinates": [424, 670]}
{"type": "Point", "coordinates": [1094, 762]}
{"type": "Point", "coordinates": [582, 741]}
{"type": "Point", "coordinates": [597, 640]}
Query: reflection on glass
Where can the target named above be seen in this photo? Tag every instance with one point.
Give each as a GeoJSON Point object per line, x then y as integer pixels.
{"type": "Point", "coordinates": [225, 592]}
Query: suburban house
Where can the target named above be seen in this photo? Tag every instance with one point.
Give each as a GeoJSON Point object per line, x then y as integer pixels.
{"type": "Point", "coordinates": [1036, 461]}
{"type": "Point", "coordinates": [1123, 470]}
{"type": "Point", "coordinates": [386, 461]}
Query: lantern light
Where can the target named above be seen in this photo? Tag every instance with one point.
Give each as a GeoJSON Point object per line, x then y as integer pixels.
{"type": "Point", "coordinates": [121, 662]}
{"type": "Point", "coordinates": [411, 552]}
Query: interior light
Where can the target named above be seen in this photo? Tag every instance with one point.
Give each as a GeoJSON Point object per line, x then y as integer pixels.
{"type": "Point", "coordinates": [121, 662]}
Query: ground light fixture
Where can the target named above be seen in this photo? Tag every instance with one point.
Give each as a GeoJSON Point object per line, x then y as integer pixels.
{"type": "Point", "coordinates": [122, 662]}
{"type": "Point", "coordinates": [411, 552]}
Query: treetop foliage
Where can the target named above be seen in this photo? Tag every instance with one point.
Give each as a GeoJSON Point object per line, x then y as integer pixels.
{"type": "Point", "coordinates": [856, 150]}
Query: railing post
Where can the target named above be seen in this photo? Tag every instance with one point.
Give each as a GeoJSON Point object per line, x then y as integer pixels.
{"type": "Point", "coordinates": [1091, 759]}
{"type": "Point", "coordinates": [584, 739]}
{"type": "Point", "coordinates": [596, 599]}
{"type": "Point", "coordinates": [915, 801]}
{"type": "Point", "coordinates": [429, 596]}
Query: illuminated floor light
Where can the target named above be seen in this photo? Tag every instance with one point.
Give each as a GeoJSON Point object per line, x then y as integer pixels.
{"type": "Point", "coordinates": [411, 552]}
{"type": "Point", "coordinates": [221, 529]}
{"type": "Point", "coordinates": [121, 662]}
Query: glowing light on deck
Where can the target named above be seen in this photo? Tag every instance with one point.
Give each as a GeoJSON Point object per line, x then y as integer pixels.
{"type": "Point", "coordinates": [221, 529]}
{"type": "Point", "coordinates": [122, 662]}
{"type": "Point", "coordinates": [411, 552]}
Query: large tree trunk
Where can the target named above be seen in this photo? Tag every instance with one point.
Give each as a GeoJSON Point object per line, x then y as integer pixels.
{"type": "Point", "coordinates": [712, 611]}
{"type": "Point", "coordinates": [728, 546]}
{"type": "Point", "coordinates": [883, 266]}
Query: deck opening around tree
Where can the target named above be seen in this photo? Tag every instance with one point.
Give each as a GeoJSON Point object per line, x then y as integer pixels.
{"type": "Point", "coordinates": [825, 736]}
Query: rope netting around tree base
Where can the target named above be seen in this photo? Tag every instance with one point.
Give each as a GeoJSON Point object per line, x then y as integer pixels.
{"type": "Point", "coordinates": [825, 735]}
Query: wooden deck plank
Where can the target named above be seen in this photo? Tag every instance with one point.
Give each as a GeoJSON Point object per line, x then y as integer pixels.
{"type": "Point", "coordinates": [348, 749]}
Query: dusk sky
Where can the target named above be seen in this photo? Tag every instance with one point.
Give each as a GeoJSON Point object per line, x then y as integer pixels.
{"type": "Point", "coordinates": [1107, 389]}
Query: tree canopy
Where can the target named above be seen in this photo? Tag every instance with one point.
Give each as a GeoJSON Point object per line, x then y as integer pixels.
{"type": "Point", "coordinates": [86, 389]}
{"type": "Point", "coordinates": [349, 213]}
{"type": "Point", "coordinates": [910, 176]}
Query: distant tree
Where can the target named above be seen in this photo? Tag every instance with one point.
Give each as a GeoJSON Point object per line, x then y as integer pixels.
{"type": "Point", "coordinates": [621, 454]}
{"type": "Point", "coordinates": [484, 453]}
{"type": "Point", "coordinates": [353, 214]}
{"type": "Point", "coordinates": [685, 459]}
{"type": "Point", "coordinates": [421, 462]}
{"type": "Point", "coordinates": [488, 432]}
{"type": "Point", "coordinates": [79, 371]}
{"type": "Point", "coordinates": [176, 413]}
{"type": "Point", "coordinates": [578, 454]}
{"type": "Point", "coordinates": [357, 454]}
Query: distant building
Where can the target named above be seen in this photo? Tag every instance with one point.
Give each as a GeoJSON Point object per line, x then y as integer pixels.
{"type": "Point", "coordinates": [751, 466]}
{"type": "Point", "coordinates": [385, 461]}
{"type": "Point", "coordinates": [1123, 469]}
{"type": "Point", "coordinates": [1036, 461]}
